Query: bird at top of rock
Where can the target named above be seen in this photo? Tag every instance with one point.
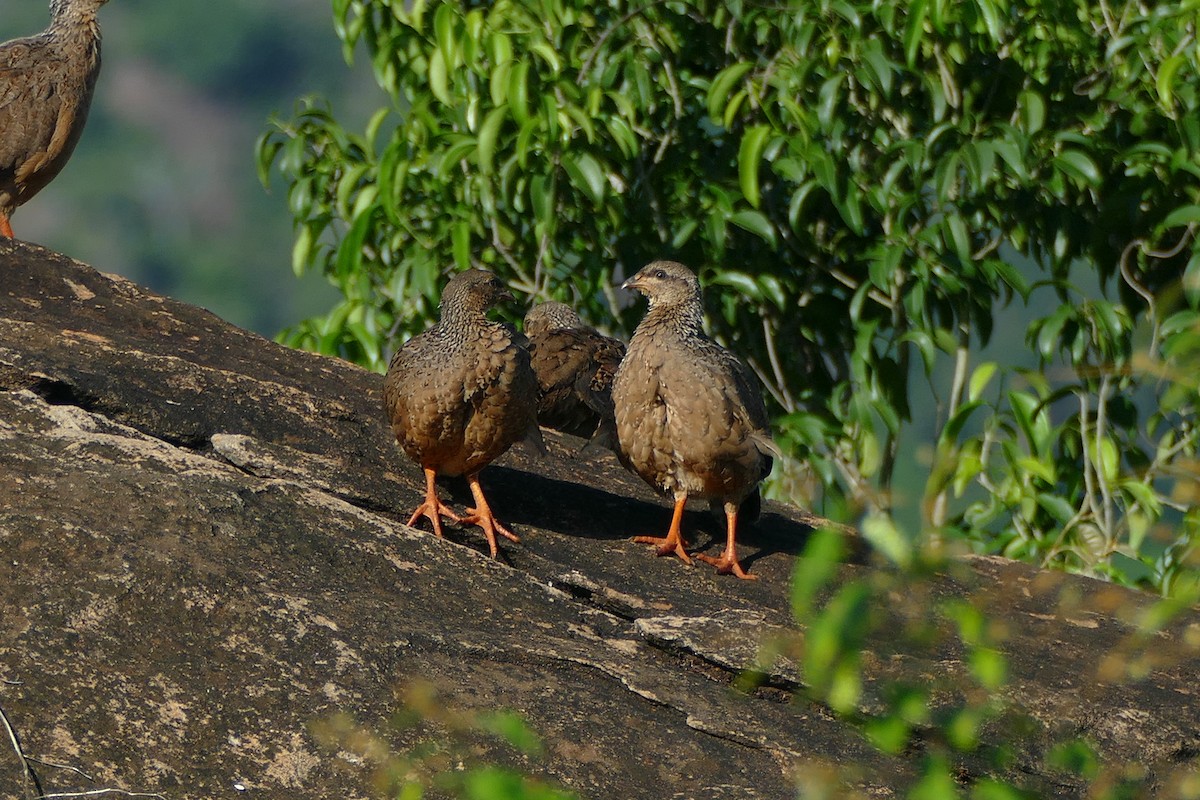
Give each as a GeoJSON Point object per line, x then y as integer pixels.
{"type": "Point", "coordinates": [575, 365]}
{"type": "Point", "coordinates": [460, 394]}
{"type": "Point", "coordinates": [690, 416]}
{"type": "Point", "coordinates": [46, 84]}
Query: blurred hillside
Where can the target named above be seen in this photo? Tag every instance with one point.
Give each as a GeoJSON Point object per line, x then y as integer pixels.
{"type": "Point", "coordinates": [162, 188]}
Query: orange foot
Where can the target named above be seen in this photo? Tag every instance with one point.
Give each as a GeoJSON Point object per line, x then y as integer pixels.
{"type": "Point", "coordinates": [727, 564]}
{"type": "Point", "coordinates": [432, 508]}
{"type": "Point", "coordinates": [482, 516]}
{"type": "Point", "coordinates": [5, 228]}
{"type": "Point", "coordinates": [673, 543]}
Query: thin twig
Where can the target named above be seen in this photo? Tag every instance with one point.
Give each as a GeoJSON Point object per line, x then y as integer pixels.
{"type": "Point", "coordinates": [99, 793]}
{"type": "Point", "coordinates": [609, 31]}
{"type": "Point", "coordinates": [962, 355]}
{"type": "Point", "coordinates": [787, 401]}
{"type": "Point", "coordinates": [1101, 423]}
{"type": "Point", "coordinates": [67, 767]}
{"type": "Point", "coordinates": [28, 776]}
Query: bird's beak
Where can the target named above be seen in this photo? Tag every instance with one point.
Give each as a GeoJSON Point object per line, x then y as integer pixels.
{"type": "Point", "coordinates": [632, 284]}
{"type": "Point", "coordinates": [505, 296]}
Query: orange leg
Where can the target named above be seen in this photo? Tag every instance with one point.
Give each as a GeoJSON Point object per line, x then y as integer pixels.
{"type": "Point", "coordinates": [5, 228]}
{"type": "Point", "coordinates": [728, 564]}
{"type": "Point", "coordinates": [481, 515]}
{"type": "Point", "coordinates": [674, 542]}
{"type": "Point", "coordinates": [432, 508]}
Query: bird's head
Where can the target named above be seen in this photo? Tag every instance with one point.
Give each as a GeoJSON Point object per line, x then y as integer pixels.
{"type": "Point", "coordinates": [473, 291]}
{"type": "Point", "coordinates": [666, 283]}
{"type": "Point", "coordinates": [549, 317]}
{"type": "Point", "coordinates": [74, 8]}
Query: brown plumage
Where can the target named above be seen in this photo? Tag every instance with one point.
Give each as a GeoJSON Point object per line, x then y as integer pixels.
{"type": "Point", "coordinates": [46, 84]}
{"type": "Point", "coordinates": [575, 366]}
{"type": "Point", "coordinates": [460, 394]}
{"type": "Point", "coordinates": [690, 417]}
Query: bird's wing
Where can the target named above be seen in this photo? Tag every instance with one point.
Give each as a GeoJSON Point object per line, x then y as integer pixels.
{"type": "Point", "coordinates": [29, 107]}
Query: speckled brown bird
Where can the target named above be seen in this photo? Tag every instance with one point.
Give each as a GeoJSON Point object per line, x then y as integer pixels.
{"type": "Point", "coordinates": [460, 394]}
{"type": "Point", "coordinates": [575, 366]}
{"type": "Point", "coordinates": [46, 84]}
{"type": "Point", "coordinates": [690, 416]}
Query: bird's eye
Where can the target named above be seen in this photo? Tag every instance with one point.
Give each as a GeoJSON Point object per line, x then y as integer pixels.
{"type": "Point", "coordinates": [660, 274]}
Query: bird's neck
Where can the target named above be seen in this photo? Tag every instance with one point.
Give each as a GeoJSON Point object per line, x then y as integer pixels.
{"type": "Point", "coordinates": [74, 24]}
{"type": "Point", "coordinates": [686, 319]}
{"type": "Point", "coordinates": [456, 317]}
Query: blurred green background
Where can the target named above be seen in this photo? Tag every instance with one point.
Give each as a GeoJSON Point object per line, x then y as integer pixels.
{"type": "Point", "coordinates": [162, 188]}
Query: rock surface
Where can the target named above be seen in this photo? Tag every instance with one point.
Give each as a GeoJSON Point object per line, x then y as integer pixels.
{"type": "Point", "coordinates": [202, 559]}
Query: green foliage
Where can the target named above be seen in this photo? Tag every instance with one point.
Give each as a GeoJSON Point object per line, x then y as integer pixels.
{"type": "Point", "coordinates": [452, 754]}
{"type": "Point", "coordinates": [863, 186]}
{"type": "Point", "coordinates": [958, 728]}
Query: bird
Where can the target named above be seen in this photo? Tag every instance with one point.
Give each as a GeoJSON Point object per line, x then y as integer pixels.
{"type": "Point", "coordinates": [690, 417]}
{"type": "Point", "coordinates": [460, 394]}
{"type": "Point", "coordinates": [575, 365]}
{"type": "Point", "coordinates": [46, 85]}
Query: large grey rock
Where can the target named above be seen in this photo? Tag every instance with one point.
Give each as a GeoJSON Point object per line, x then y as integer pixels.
{"type": "Point", "coordinates": [202, 560]}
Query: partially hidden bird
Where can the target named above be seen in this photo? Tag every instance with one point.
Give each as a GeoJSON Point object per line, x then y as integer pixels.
{"type": "Point", "coordinates": [690, 417]}
{"type": "Point", "coordinates": [460, 394]}
{"type": "Point", "coordinates": [46, 85]}
{"type": "Point", "coordinates": [575, 365]}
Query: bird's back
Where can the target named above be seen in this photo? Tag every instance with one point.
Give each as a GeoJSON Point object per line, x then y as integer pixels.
{"type": "Point", "coordinates": [575, 369]}
{"type": "Point", "coordinates": [46, 86]}
{"type": "Point", "coordinates": [690, 415]}
{"type": "Point", "coordinates": [459, 399]}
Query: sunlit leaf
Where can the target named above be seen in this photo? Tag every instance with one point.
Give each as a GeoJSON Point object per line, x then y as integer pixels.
{"type": "Point", "coordinates": [750, 155]}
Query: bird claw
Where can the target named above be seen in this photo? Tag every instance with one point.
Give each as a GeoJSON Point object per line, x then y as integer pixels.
{"type": "Point", "coordinates": [487, 521]}
{"type": "Point", "coordinates": [666, 546]}
{"type": "Point", "coordinates": [727, 565]}
{"type": "Point", "coordinates": [434, 510]}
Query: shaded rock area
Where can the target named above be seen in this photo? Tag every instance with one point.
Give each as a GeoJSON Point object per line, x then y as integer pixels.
{"type": "Point", "coordinates": [202, 554]}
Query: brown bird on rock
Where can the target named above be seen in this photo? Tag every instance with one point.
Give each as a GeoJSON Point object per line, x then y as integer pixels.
{"type": "Point", "coordinates": [575, 366]}
{"type": "Point", "coordinates": [460, 394]}
{"type": "Point", "coordinates": [46, 84]}
{"type": "Point", "coordinates": [690, 417]}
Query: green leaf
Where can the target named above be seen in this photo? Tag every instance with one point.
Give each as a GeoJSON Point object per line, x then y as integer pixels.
{"type": "Point", "coordinates": [749, 159]}
{"type": "Point", "coordinates": [722, 84]}
{"type": "Point", "coordinates": [444, 24]}
{"type": "Point", "coordinates": [518, 92]}
{"type": "Point", "coordinates": [1079, 165]}
{"type": "Point", "coordinates": [1033, 111]}
{"type": "Point", "coordinates": [460, 234]}
{"type": "Point", "coordinates": [499, 82]}
{"type": "Point", "coordinates": [1057, 507]}
{"type": "Point", "coordinates": [549, 55]}
{"type": "Point", "coordinates": [817, 566]}
{"type": "Point", "coordinates": [1109, 460]}
{"type": "Point", "coordinates": [586, 174]}
{"type": "Point", "coordinates": [881, 531]}
{"type": "Point", "coordinates": [302, 250]}
{"type": "Point", "coordinates": [991, 18]}
{"type": "Point", "coordinates": [1165, 79]}
{"type": "Point", "coordinates": [1183, 215]}
{"type": "Point", "coordinates": [959, 237]}
{"type": "Point", "coordinates": [756, 223]}
{"type": "Point", "coordinates": [936, 782]}
{"type": "Point", "coordinates": [990, 667]}
{"type": "Point", "coordinates": [489, 131]}
{"type": "Point", "coordinates": [914, 31]}
{"type": "Point", "coordinates": [980, 378]}
{"type": "Point", "coordinates": [513, 728]}
{"type": "Point", "coordinates": [828, 100]}
{"type": "Point", "coordinates": [438, 80]}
